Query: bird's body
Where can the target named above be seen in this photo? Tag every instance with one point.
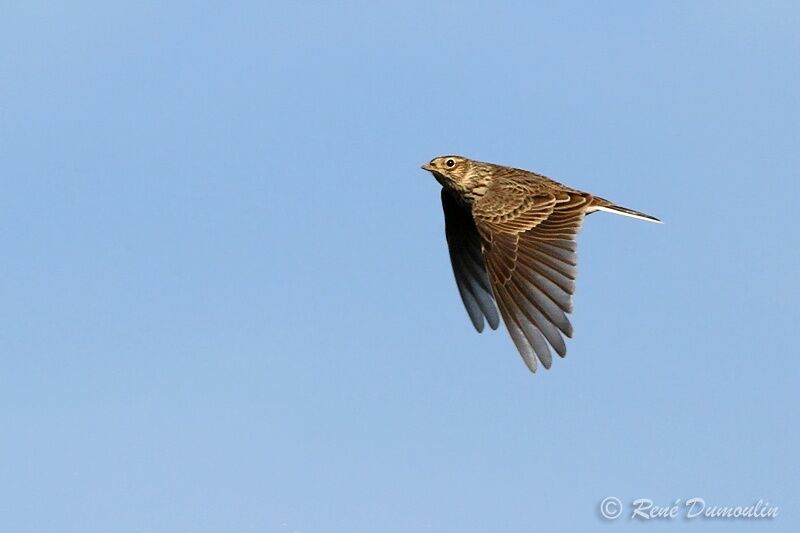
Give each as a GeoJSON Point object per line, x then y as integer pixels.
{"type": "Point", "coordinates": [511, 236]}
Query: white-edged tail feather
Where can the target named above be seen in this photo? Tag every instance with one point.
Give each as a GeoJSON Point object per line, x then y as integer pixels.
{"type": "Point", "coordinates": [624, 211]}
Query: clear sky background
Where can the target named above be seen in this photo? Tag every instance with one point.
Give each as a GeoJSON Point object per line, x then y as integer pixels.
{"type": "Point", "coordinates": [225, 298]}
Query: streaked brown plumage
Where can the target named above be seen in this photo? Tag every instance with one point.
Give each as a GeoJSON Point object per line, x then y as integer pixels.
{"type": "Point", "coordinates": [511, 236]}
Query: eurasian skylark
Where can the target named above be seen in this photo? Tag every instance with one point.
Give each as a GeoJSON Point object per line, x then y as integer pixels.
{"type": "Point", "coordinates": [511, 235]}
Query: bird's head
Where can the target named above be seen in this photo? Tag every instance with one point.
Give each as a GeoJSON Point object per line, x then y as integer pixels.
{"type": "Point", "coordinates": [467, 177]}
{"type": "Point", "coordinates": [451, 171]}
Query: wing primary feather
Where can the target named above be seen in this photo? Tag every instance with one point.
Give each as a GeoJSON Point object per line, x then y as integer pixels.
{"type": "Point", "coordinates": [544, 303]}
{"type": "Point", "coordinates": [535, 315]}
{"type": "Point", "coordinates": [470, 302]}
{"type": "Point", "coordinates": [522, 343]}
{"type": "Point", "coordinates": [556, 294]}
{"type": "Point", "coordinates": [565, 269]}
{"type": "Point", "coordinates": [532, 333]}
{"type": "Point", "coordinates": [481, 296]}
{"type": "Point", "coordinates": [559, 278]}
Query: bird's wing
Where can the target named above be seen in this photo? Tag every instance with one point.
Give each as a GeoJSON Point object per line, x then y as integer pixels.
{"type": "Point", "coordinates": [528, 239]}
{"type": "Point", "coordinates": [468, 263]}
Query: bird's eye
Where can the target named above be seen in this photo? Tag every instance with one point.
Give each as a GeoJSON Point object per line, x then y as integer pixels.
{"type": "Point", "coordinates": [450, 163]}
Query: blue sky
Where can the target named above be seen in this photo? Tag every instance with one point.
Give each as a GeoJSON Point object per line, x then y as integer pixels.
{"type": "Point", "coordinates": [226, 302]}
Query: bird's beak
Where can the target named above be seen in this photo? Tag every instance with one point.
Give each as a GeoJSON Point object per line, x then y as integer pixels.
{"type": "Point", "coordinates": [427, 166]}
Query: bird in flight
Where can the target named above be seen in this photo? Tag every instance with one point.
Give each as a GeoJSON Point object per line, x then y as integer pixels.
{"type": "Point", "coordinates": [511, 236]}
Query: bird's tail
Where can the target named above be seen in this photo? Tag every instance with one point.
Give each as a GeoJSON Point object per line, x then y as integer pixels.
{"type": "Point", "coordinates": [599, 204]}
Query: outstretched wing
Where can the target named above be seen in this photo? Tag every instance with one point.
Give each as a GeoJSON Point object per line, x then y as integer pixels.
{"type": "Point", "coordinates": [528, 240]}
{"type": "Point", "coordinates": [469, 267]}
